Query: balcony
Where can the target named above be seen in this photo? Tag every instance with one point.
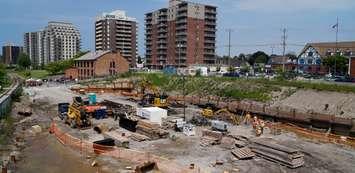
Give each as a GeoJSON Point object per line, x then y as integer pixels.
{"type": "Point", "coordinates": [210, 29]}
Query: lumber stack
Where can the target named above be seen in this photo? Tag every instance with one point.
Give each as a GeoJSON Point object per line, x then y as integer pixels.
{"type": "Point", "coordinates": [243, 153]}
{"type": "Point", "coordinates": [210, 137]}
{"type": "Point", "coordinates": [152, 130]}
{"type": "Point", "coordinates": [273, 151]}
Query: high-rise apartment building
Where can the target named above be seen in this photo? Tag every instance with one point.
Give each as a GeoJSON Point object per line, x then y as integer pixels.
{"type": "Point", "coordinates": [61, 41]}
{"type": "Point", "coordinates": [180, 35]}
{"type": "Point", "coordinates": [33, 47]}
{"type": "Point", "coordinates": [10, 54]}
{"type": "Point", "coordinates": [117, 32]}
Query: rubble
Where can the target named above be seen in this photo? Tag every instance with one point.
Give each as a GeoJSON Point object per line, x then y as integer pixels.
{"type": "Point", "coordinates": [210, 137]}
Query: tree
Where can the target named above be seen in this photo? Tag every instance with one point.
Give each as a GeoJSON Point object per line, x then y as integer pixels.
{"type": "Point", "coordinates": [24, 61]}
{"type": "Point", "coordinates": [341, 63]}
{"type": "Point", "coordinates": [242, 56]}
{"type": "Point", "coordinates": [258, 57]}
{"type": "Point", "coordinates": [139, 60]}
{"type": "Point", "coordinates": [292, 56]}
{"type": "Point", "coordinates": [3, 78]}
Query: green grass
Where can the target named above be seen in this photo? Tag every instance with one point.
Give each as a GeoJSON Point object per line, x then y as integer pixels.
{"type": "Point", "coordinates": [6, 129]}
{"type": "Point", "coordinates": [235, 88]}
{"type": "Point", "coordinates": [38, 74]}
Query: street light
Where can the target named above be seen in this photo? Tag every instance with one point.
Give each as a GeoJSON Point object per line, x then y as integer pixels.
{"type": "Point", "coordinates": [183, 80]}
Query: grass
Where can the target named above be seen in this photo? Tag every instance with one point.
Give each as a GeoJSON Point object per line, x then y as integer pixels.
{"type": "Point", "coordinates": [38, 74]}
{"type": "Point", "coordinates": [235, 88]}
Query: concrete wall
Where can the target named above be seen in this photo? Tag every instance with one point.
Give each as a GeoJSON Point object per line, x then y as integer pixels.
{"type": "Point", "coordinates": [6, 99]}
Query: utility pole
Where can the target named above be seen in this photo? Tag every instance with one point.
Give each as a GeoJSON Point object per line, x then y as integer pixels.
{"type": "Point", "coordinates": [284, 38]}
{"type": "Point", "coordinates": [229, 46]}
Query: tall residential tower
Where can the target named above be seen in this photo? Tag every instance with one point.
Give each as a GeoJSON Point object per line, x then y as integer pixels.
{"type": "Point", "coordinates": [61, 41]}
{"type": "Point", "coordinates": [115, 31]}
{"type": "Point", "coordinates": [33, 47]}
{"type": "Point", "coordinates": [180, 35]}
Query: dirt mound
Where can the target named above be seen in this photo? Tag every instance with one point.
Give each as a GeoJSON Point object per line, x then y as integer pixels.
{"type": "Point", "coordinates": [339, 104]}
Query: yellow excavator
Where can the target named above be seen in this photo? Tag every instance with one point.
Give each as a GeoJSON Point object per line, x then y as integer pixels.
{"type": "Point", "coordinates": [154, 97]}
{"type": "Point", "coordinates": [212, 112]}
{"type": "Point", "coordinates": [77, 117]}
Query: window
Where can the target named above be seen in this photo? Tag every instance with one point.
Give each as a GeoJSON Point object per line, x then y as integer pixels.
{"type": "Point", "coordinates": [301, 61]}
{"type": "Point", "coordinates": [318, 61]}
{"type": "Point", "coordinates": [310, 61]}
{"type": "Point", "coordinates": [310, 54]}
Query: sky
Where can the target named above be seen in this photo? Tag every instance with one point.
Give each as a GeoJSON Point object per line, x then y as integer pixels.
{"type": "Point", "coordinates": [256, 24]}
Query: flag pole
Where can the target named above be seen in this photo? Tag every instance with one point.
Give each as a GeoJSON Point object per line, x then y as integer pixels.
{"type": "Point", "coordinates": [336, 46]}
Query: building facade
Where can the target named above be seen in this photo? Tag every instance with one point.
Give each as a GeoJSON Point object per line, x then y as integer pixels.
{"type": "Point", "coordinates": [115, 31]}
{"type": "Point", "coordinates": [10, 54]}
{"type": "Point", "coordinates": [33, 47]}
{"type": "Point", "coordinates": [352, 67]}
{"type": "Point", "coordinates": [60, 41]}
{"type": "Point", "coordinates": [181, 35]}
{"type": "Point", "coordinates": [98, 64]}
{"type": "Point", "coordinates": [311, 58]}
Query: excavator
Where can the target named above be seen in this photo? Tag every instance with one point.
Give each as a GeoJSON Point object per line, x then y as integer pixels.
{"type": "Point", "coordinates": [77, 116]}
{"type": "Point", "coordinates": [211, 111]}
{"type": "Point", "coordinates": [154, 98]}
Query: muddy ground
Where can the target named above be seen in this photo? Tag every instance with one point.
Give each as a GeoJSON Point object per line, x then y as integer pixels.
{"type": "Point", "coordinates": [44, 152]}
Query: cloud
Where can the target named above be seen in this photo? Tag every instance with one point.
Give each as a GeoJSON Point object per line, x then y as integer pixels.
{"type": "Point", "coordinates": [293, 5]}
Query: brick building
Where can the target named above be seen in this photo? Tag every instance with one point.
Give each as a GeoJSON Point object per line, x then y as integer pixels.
{"type": "Point", "coordinates": [181, 35]}
{"type": "Point", "coordinates": [10, 54]}
{"type": "Point", "coordinates": [352, 67]}
{"type": "Point", "coordinates": [98, 64]}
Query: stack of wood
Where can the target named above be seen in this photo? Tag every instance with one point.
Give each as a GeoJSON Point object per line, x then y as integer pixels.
{"type": "Point", "coordinates": [243, 153]}
{"type": "Point", "coordinates": [138, 137]}
{"type": "Point", "coordinates": [210, 137]}
{"type": "Point", "coordinates": [271, 150]}
{"type": "Point", "coordinates": [152, 130]}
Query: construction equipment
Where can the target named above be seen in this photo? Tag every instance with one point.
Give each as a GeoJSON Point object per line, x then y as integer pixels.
{"type": "Point", "coordinates": [77, 117]}
{"type": "Point", "coordinates": [212, 112]}
{"type": "Point", "coordinates": [63, 110]}
{"type": "Point", "coordinates": [219, 126]}
{"type": "Point", "coordinates": [155, 98]}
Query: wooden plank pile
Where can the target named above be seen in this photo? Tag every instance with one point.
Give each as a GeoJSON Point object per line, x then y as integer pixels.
{"type": "Point", "coordinates": [152, 130]}
{"type": "Point", "coordinates": [210, 137]}
{"type": "Point", "coordinates": [270, 150]}
{"type": "Point", "coordinates": [243, 153]}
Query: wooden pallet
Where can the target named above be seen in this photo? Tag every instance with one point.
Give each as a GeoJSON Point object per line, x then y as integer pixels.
{"type": "Point", "coordinates": [243, 153]}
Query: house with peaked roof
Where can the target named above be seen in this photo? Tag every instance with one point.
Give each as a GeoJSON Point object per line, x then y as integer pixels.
{"type": "Point", "coordinates": [311, 57]}
{"type": "Point", "coordinates": [98, 64]}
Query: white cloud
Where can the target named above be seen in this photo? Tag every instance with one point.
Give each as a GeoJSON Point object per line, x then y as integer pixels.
{"type": "Point", "coordinates": [293, 5]}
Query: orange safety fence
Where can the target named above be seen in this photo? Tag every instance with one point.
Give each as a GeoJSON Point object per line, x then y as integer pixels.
{"type": "Point", "coordinates": [323, 137]}
{"type": "Point", "coordinates": [139, 157]}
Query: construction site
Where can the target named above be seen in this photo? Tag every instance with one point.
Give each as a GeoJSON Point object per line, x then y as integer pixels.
{"type": "Point", "coordinates": [134, 125]}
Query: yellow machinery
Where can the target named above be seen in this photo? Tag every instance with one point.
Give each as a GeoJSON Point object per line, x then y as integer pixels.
{"type": "Point", "coordinates": [76, 116]}
{"type": "Point", "coordinates": [212, 112]}
{"type": "Point", "coordinates": [155, 98]}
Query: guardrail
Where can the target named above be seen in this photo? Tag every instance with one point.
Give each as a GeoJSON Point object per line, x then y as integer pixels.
{"type": "Point", "coordinates": [6, 98]}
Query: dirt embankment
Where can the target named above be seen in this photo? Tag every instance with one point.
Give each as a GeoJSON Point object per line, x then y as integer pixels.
{"type": "Point", "coordinates": [339, 104]}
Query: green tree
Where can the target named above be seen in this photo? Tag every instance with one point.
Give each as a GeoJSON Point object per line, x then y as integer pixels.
{"type": "Point", "coordinates": [24, 61]}
{"type": "Point", "coordinates": [340, 62]}
{"type": "Point", "coordinates": [58, 67]}
{"type": "Point", "coordinates": [258, 57]}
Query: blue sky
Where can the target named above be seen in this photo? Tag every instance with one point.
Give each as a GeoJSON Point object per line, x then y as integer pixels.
{"type": "Point", "coordinates": [256, 24]}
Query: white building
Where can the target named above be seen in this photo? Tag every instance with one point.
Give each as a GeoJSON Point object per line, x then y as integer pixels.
{"type": "Point", "coordinates": [61, 41]}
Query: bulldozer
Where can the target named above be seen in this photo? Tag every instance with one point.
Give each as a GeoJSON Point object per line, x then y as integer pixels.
{"type": "Point", "coordinates": [77, 116]}
{"type": "Point", "coordinates": [154, 98]}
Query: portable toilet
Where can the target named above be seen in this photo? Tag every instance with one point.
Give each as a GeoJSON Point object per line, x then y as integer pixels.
{"type": "Point", "coordinates": [92, 98]}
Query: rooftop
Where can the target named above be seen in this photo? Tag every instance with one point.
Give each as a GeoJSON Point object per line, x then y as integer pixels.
{"type": "Point", "coordinates": [92, 55]}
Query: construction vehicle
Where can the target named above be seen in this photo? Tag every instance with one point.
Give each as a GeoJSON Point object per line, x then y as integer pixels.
{"type": "Point", "coordinates": [212, 112]}
{"type": "Point", "coordinates": [154, 98]}
{"type": "Point", "coordinates": [219, 126]}
{"type": "Point", "coordinates": [77, 116]}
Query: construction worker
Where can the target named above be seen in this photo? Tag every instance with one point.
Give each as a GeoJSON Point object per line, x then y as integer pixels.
{"type": "Point", "coordinates": [255, 122]}
{"type": "Point", "coordinates": [247, 119]}
{"type": "Point", "coordinates": [262, 125]}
